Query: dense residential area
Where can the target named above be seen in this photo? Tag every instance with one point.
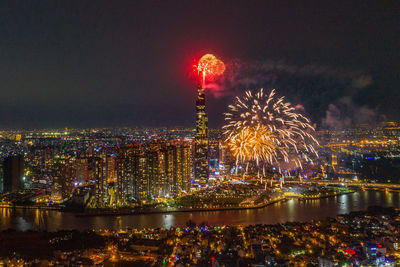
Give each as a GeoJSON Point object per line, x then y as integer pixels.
{"type": "Point", "coordinates": [365, 238]}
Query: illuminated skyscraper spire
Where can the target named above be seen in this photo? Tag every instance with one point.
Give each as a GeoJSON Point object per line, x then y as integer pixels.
{"type": "Point", "coordinates": [208, 65]}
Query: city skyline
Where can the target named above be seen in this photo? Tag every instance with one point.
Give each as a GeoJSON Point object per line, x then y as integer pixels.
{"type": "Point", "coordinates": [113, 65]}
{"type": "Point", "coordinates": [213, 133]}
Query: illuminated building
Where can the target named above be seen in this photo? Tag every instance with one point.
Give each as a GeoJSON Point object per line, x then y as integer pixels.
{"type": "Point", "coordinates": [64, 174]}
{"type": "Point", "coordinates": [184, 167]}
{"type": "Point", "coordinates": [178, 167]}
{"type": "Point", "coordinates": [142, 183]}
{"type": "Point", "coordinates": [1, 177]}
{"type": "Point", "coordinates": [214, 153]}
{"type": "Point", "coordinates": [158, 170]}
{"type": "Point", "coordinates": [201, 139]}
{"type": "Point", "coordinates": [111, 169]}
{"type": "Point", "coordinates": [169, 169]}
{"type": "Point", "coordinates": [226, 160]}
{"type": "Point", "coordinates": [100, 181]}
{"type": "Point", "coordinates": [208, 66]}
{"type": "Point", "coordinates": [155, 171]}
{"type": "Point", "coordinates": [178, 171]}
{"type": "Point", "coordinates": [128, 173]}
{"type": "Point", "coordinates": [133, 174]}
{"type": "Point", "coordinates": [103, 178]}
{"type": "Point", "coordinates": [334, 162]}
{"type": "Point", "coordinates": [13, 171]}
{"type": "Point", "coordinates": [82, 169]}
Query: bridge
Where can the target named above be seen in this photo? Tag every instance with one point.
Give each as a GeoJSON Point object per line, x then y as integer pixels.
{"type": "Point", "coordinates": [348, 184]}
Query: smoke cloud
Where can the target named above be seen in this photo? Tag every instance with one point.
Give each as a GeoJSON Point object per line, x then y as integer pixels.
{"type": "Point", "coordinates": [346, 113]}
{"type": "Point", "coordinates": [326, 93]}
{"type": "Point", "coordinates": [241, 76]}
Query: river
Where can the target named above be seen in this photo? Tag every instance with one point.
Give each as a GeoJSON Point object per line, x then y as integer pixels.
{"type": "Point", "coordinates": [291, 210]}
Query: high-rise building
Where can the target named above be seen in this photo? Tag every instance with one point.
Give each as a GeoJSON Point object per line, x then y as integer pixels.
{"type": "Point", "coordinates": [82, 169]}
{"type": "Point", "coordinates": [169, 169]}
{"type": "Point", "coordinates": [111, 169]}
{"type": "Point", "coordinates": [128, 173]}
{"type": "Point", "coordinates": [186, 167]}
{"type": "Point", "coordinates": [13, 171]}
{"type": "Point", "coordinates": [214, 153]}
{"type": "Point", "coordinates": [1, 177]}
{"type": "Point", "coordinates": [64, 174]}
{"type": "Point", "coordinates": [177, 176]}
{"type": "Point", "coordinates": [99, 175]}
{"type": "Point", "coordinates": [178, 167]}
{"type": "Point", "coordinates": [142, 182]}
{"type": "Point", "coordinates": [155, 171]}
{"type": "Point", "coordinates": [201, 139]}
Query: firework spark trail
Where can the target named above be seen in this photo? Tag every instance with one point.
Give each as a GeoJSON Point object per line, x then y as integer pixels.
{"type": "Point", "coordinates": [265, 129]}
{"type": "Point", "coordinates": [209, 65]}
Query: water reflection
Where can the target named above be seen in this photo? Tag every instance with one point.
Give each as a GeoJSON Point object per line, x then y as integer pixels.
{"type": "Point", "coordinates": [343, 204]}
{"type": "Point", "coordinates": [292, 210]}
{"type": "Point", "coordinates": [389, 198]}
{"type": "Point", "coordinates": [168, 221]}
{"type": "Point", "coordinates": [22, 224]}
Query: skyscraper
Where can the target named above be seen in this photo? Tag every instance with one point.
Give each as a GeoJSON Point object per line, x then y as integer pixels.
{"type": "Point", "coordinates": [208, 66]}
{"type": "Point", "coordinates": [13, 169]}
{"type": "Point", "coordinates": [169, 169]}
{"type": "Point", "coordinates": [159, 169]}
{"type": "Point", "coordinates": [128, 164]}
{"type": "Point", "coordinates": [186, 168]}
{"type": "Point", "coordinates": [82, 169]}
{"type": "Point", "coordinates": [201, 139]}
{"type": "Point", "coordinates": [100, 181]}
{"type": "Point", "coordinates": [64, 174]}
{"type": "Point", "coordinates": [155, 170]}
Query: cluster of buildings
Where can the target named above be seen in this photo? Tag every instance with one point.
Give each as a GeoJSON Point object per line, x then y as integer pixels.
{"type": "Point", "coordinates": [159, 170]}
{"type": "Point", "coordinates": [111, 167]}
{"type": "Point", "coordinates": [112, 175]}
{"type": "Point", "coordinates": [120, 166]}
{"type": "Point", "coordinates": [103, 168]}
{"type": "Point", "coordinates": [364, 152]}
{"type": "Point", "coordinates": [370, 238]}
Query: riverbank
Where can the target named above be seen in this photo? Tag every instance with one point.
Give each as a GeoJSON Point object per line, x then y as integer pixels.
{"type": "Point", "coordinates": [290, 210]}
{"type": "Point", "coordinates": [95, 212]}
{"type": "Point", "coordinates": [156, 211]}
{"type": "Point", "coordinates": [132, 211]}
{"type": "Point", "coordinates": [10, 206]}
{"type": "Point", "coordinates": [325, 195]}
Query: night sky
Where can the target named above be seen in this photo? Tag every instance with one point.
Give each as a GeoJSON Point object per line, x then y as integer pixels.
{"type": "Point", "coordinates": [129, 63]}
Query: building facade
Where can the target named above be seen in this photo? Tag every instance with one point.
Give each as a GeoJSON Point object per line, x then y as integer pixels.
{"type": "Point", "coordinates": [201, 171]}
{"type": "Point", "coordinates": [158, 170]}
{"type": "Point", "coordinates": [13, 171]}
{"type": "Point", "coordinates": [128, 163]}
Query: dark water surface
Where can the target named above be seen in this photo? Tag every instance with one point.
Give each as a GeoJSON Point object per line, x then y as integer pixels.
{"type": "Point", "coordinates": [292, 210]}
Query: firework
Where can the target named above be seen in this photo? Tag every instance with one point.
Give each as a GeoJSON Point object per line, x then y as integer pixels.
{"type": "Point", "coordinates": [269, 131]}
{"type": "Point", "coordinates": [209, 65]}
